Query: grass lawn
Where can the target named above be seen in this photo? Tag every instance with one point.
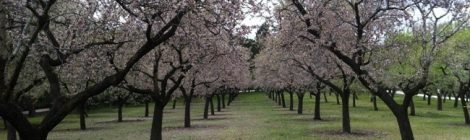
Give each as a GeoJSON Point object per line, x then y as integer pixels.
{"type": "Point", "coordinates": [255, 116]}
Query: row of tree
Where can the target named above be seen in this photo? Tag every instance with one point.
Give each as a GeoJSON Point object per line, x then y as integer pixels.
{"type": "Point", "coordinates": [382, 46]}
{"type": "Point", "coordinates": [78, 49]}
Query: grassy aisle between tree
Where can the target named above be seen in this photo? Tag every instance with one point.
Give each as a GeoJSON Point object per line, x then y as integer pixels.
{"type": "Point", "coordinates": [254, 116]}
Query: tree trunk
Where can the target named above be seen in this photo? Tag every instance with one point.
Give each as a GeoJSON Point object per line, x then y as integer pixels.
{"type": "Point", "coordinates": [354, 99]}
{"type": "Point", "coordinates": [456, 101]}
{"type": "Point", "coordinates": [444, 98]}
{"type": "Point", "coordinates": [374, 101]}
{"type": "Point", "coordinates": [174, 104]}
{"type": "Point", "coordinates": [212, 106]}
{"type": "Point", "coordinates": [439, 102]}
{"type": "Point", "coordinates": [291, 101]}
{"type": "Point", "coordinates": [337, 98]}
{"type": "Point", "coordinates": [11, 134]}
{"type": "Point", "coordinates": [120, 112]}
{"type": "Point", "coordinates": [404, 125]}
{"type": "Point", "coordinates": [218, 103]}
{"type": "Point", "coordinates": [206, 109]}
{"type": "Point", "coordinates": [187, 112]}
{"type": "Point", "coordinates": [412, 107]}
{"type": "Point", "coordinates": [156, 131]}
{"type": "Point", "coordinates": [223, 100]}
{"type": "Point", "coordinates": [283, 100]}
{"type": "Point", "coordinates": [464, 108]}
{"type": "Point", "coordinates": [429, 99]}
{"type": "Point", "coordinates": [345, 111]}
{"type": "Point", "coordinates": [301, 103]}
{"type": "Point", "coordinates": [146, 109]}
{"type": "Point", "coordinates": [279, 102]}
{"type": "Point", "coordinates": [325, 98]}
{"type": "Point", "coordinates": [424, 97]}
{"type": "Point", "coordinates": [82, 112]}
{"type": "Point", "coordinates": [317, 107]}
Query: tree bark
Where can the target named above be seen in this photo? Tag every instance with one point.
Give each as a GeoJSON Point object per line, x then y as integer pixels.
{"type": "Point", "coordinates": [354, 99]}
{"type": "Point", "coordinates": [187, 112]}
{"type": "Point", "coordinates": [456, 101]}
{"type": "Point", "coordinates": [345, 112]}
{"type": "Point", "coordinates": [317, 106]}
{"type": "Point", "coordinates": [223, 100]}
{"type": "Point", "coordinates": [439, 102]}
{"type": "Point", "coordinates": [212, 106]}
{"type": "Point", "coordinates": [120, 106]}
{"type": "Point", "coordinates": [291, 101]}
{"type": "Point", "coordinates": [337, 98]}
{"type": "Point", "coordinates": [279, 102]}
{"type": "Point", "coordinates": [283, 99]}
{"type": "Point", "coordinates": [218, 103]}
{"type": "Point", "coordinates": [325, 98]}
{"type": "Point", "coordinates": [82, 111]}
{"type": "Point", "coordinates": [206, 109]}
{"type": "Point", "coordinates": [429, 98]}
{"type": "Point", "coordinates": [174, 104]}
{"type": "Point", "coordinates": [464, 108]}
{"type": "Point", "coordinates": [11, 134]}
{"type": "Point", "coordinates": [412, 107]}
{"type": "Point", "coordinates": [374, 101]}
{"type": "Point", "coordinates": [300, 97]}
{"type": "Point", "coordinates": [156, 131]}
{"type": "Point", "coordinates": [146, 109]}
{"type": "Point", "coordinates": [404, 125]}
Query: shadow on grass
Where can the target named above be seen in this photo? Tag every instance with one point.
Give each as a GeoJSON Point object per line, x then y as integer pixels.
{"type": "Point", "coordinates": [211, 119]}
{"type": "Point", "coordinates": [193, 127]}
{"type": "Point", "coordinates": [355, 133]}
{"type": "Point", "coordinates": [78, 129]}
{"type": "Point", "coordinates": [310, 119]}
{"type": "Point", "coordinates": [124, 121]}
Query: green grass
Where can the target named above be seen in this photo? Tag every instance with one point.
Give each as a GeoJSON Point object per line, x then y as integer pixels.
{"type": "Point", "coordinates": [255, 116]}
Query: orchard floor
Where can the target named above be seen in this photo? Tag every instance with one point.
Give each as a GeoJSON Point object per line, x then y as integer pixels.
{"type": "Point", "coordinates": [254, 116]}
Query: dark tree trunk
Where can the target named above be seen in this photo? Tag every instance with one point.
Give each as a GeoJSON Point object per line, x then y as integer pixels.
{"type": "Point", "coordinates": [120, 106]}
{"type": "Point", "coordinates": [218, 103]}
{"type": "Point", "coordinates": [230, 98]}
{"type": "Point", "coordinates": [146, 109]}
{"type": "Point", "coordinates": [444, 98]}
{"type": "Point", "coordinates": [82, 111]}
{"type": "Point", "coordinates": [354, 99]}
{"type": "Point", "coordinates": [464, 108]}
{"type": "Point", "coordinates": [325, 98]}
{"type": "Point", "coordinates": [187, 112]}
{"type": "Point", "coordinates": [412, 107]}
{"type": "Point", "coordinates": [404, 125]}
{"type": "Point", "coordinates": [212, 106]}
{"type": "Point", "coordinates": [429, 99]}
{"type": "Point", "coordinates": [337, 98]}
{"type": "Point", "coordinates": [223, 100]}
{"type": "Point", "coordinates": [345, 112]}
{"type": "Point", "coordinates": [424, 97]}
{"type": "Point", "coordinates": [156, 131]}
{"type": "Point", "coordinates": [206, 109]}
{"type": "Point", "coordinates": [317, 106]}
{"type": "Point", "coordinates": [283, 100]}
{"type": "Point", "coordinates": [439, 102]}
{"type": "Point", "coordinates": [279, 102]}
{"type": "Point", "coordinates": [291, 101]}
{"type": "Point", "coordinates": [11, 134]}
{"type": "Point", "coordinates": [174, 104]}
{"type": "Point", "coordinates": [301, 103]}
{"type": "Point", "coordinates": [31, 111]}
{"type": "Point", "coordinates": [374, 101]}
